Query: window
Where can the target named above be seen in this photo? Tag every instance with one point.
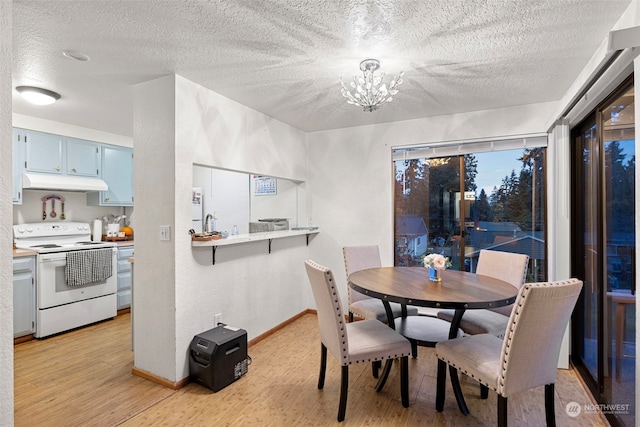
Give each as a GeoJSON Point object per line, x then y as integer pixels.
{"type": "Point", "coordinates": [456, 199]}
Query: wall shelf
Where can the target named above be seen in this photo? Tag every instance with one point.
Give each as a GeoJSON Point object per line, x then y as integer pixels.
{"type": "Point", "coordinates": [255, 237]}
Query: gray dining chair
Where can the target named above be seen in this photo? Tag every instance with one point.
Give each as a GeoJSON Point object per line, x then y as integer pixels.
{"type": "Point", "coordinates": [526, 357]}
{"type": "Point", "coordinates": [352, 343]}
{"type": "Point", "coordinates": [505, 266]}
{"type": "Point", "coordinates": [358, 258]}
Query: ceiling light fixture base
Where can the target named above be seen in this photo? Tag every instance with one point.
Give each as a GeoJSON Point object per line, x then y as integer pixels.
{"type": "Point", "coordinates": [37, 95]}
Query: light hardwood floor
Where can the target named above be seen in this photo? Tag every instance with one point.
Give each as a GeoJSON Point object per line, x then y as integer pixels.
{"type": "Point", "coordinates": [83, 378]}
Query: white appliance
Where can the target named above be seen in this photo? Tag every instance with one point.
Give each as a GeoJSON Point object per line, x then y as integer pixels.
{"type": "Point", "coordinates": [196, 210]}
{"type": "Point", "coordinates": [62, 306]}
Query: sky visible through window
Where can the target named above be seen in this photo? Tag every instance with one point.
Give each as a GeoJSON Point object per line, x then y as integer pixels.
{"type": "Point", "coordinates": [494, 166]}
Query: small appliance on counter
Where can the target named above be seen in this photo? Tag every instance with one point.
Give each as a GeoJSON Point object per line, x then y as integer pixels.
{"type": "Point", "coordinates": [269, 224]}
{"type": "Point", "coordinates": [218, 357]}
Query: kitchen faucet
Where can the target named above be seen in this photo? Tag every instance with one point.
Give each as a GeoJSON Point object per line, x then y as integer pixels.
{"type": "Point", "coordinates": [206, 223]}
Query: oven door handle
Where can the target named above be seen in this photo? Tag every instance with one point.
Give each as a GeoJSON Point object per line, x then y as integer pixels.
{"type": "Point", "coordinates": [53, 257]}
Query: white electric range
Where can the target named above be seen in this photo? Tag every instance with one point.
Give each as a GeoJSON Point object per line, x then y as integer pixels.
{"type": "Point", "coordinates": [62, 301]}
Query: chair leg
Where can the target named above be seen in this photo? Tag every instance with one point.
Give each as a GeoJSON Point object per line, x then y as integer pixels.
{"type": "Point", "coordinates": [549, 404]}
{"type": "Point", "coordinates": [375, 367]}
{"type": "Point", "coordinates": [350, 317]}
{"type": "Point", "coordinates": [502, 411]}
{"type": "Point", "coordinates": [323, 366]}
{"type": "Point", "coordinates": [441, 385]}
{"type": "Point", "coordinates": [344, 388]}
{"type": "Point", "coordinates": [404, 380]}
{"type": "Point", "coordinates": [484, 391]}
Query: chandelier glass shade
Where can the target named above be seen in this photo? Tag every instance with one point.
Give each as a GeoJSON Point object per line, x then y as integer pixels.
{"type": "Point", "coordinates": [369, 91]}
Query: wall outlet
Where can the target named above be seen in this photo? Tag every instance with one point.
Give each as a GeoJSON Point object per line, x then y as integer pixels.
{"type": "Point", "coordinates": [217, 319]}
{"type": "Point", "coordinates": [165, 232]}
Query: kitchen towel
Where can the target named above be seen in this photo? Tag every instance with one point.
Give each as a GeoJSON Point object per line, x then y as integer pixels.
{"type": "Point", "coordinates": [88, 266]}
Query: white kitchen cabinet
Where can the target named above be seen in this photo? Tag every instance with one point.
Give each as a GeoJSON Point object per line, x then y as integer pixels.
{"type": "Point", "coordinates": [125, 277]}
{"type": "Point", "coordinates": [24, 296]}
{"type": "Point", "coordinates": [19, 148]}
{"type": "Point", "coordinates": [83, 158]}
{"type": "Point", "coordinates": [117, 172]}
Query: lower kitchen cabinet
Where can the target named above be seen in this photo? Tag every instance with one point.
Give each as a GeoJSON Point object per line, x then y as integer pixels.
{"type": "Point", "coordinates": [24, 296]}
{"type": "Point", "coordinates": [124, 276]}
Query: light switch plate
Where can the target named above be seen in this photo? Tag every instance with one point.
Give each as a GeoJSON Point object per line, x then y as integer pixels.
{"type": "Point", "coordinates": [165, 232]}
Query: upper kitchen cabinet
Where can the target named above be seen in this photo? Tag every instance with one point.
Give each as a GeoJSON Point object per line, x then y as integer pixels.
{"type": "Point", "coordinates": [117, 172]}
{"type": "Point", "coordinates": [59, 155]}
{"type": "Point", "coordinates": [83, 158]}
{"type": "Point", "coordinates": [43, 151]}
{"type": "Point", "coordinates": [19, 148]}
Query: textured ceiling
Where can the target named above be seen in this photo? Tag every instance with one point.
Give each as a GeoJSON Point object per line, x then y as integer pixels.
{"type": "Point", "coordinates": [284, 58]}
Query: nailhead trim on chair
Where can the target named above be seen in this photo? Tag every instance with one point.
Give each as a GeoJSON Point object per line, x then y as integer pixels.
{"type": "Point", "coordinates": [340, 318]}
{"type": "Point", "coordinates": [342, 328]}
{"type": "Point", "coordinates": [338, 314]}
{"type": "Point", "coordinates": [516, 312]}
{"type": "Point", "coordinates": [469, 374]}
{"type": "Point", "coordinates": [509, 333]}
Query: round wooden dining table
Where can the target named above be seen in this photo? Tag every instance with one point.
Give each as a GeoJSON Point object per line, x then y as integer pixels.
{"type": "Point", "coordinates": [457, 290]}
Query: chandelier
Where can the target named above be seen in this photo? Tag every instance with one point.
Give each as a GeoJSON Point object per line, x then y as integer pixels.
{"type": "Point", "coordinates": [370, 91]}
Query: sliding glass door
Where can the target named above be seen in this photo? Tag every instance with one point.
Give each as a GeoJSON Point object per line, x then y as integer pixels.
{"type": "Point", "coordinates": [457, 205]}
{"type": "Point", "coordinates": [603, 238]}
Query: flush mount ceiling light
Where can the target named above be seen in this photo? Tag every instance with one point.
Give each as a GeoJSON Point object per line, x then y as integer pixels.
{"type": "Point", "coordinates": [370, 91]}
{"type": "Point", "coordinates": [38, 96]}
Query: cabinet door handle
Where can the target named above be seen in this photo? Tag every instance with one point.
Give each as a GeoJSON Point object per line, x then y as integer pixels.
{"type": "Point", "coordinates": [73, 170]}
{"type": "Point", "coordinates": [58, 168]}
{"type": "Point", "coordinates": [106, 199]}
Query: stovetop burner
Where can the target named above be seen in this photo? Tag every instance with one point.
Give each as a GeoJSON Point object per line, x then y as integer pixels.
{"type": "Point", "coordinates": [56, 236]}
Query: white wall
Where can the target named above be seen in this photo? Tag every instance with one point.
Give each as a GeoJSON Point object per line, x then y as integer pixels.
{"type": "Point", "coordinates": [58, 128]}
{"type": "Point", "coordinates": [154, 291]}
{"type": "Point", "coordinates": [6, 272]}
{"type": "Point", "coordinates": [178, 123]}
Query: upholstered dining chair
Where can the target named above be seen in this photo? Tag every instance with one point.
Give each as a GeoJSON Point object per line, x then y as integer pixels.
{"type": "Point", "coordinates": [351, 343]}
{"type": "Point", "coordinates": [527, 356]}
{"type": "Point", "coordinates": [358, 258]}
{"type": "Point", "coordinates": [505, 266]}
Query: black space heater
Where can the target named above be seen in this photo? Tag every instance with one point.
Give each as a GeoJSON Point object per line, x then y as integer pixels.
{"type": "Point", "coordinates": [218, 357]}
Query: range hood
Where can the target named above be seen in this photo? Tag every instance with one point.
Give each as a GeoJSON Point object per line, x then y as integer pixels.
{"type": "Point", "coordinates": [36, 181]}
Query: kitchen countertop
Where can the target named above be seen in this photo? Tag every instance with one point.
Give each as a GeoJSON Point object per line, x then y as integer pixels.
{"type": "Point", "coordinates": [124, 243]}
{"type": "Point", "coordinates": [23, 252]}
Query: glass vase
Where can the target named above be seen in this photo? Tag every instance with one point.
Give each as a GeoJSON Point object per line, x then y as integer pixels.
{"type": "Point", "coordinates": [434, 275]}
